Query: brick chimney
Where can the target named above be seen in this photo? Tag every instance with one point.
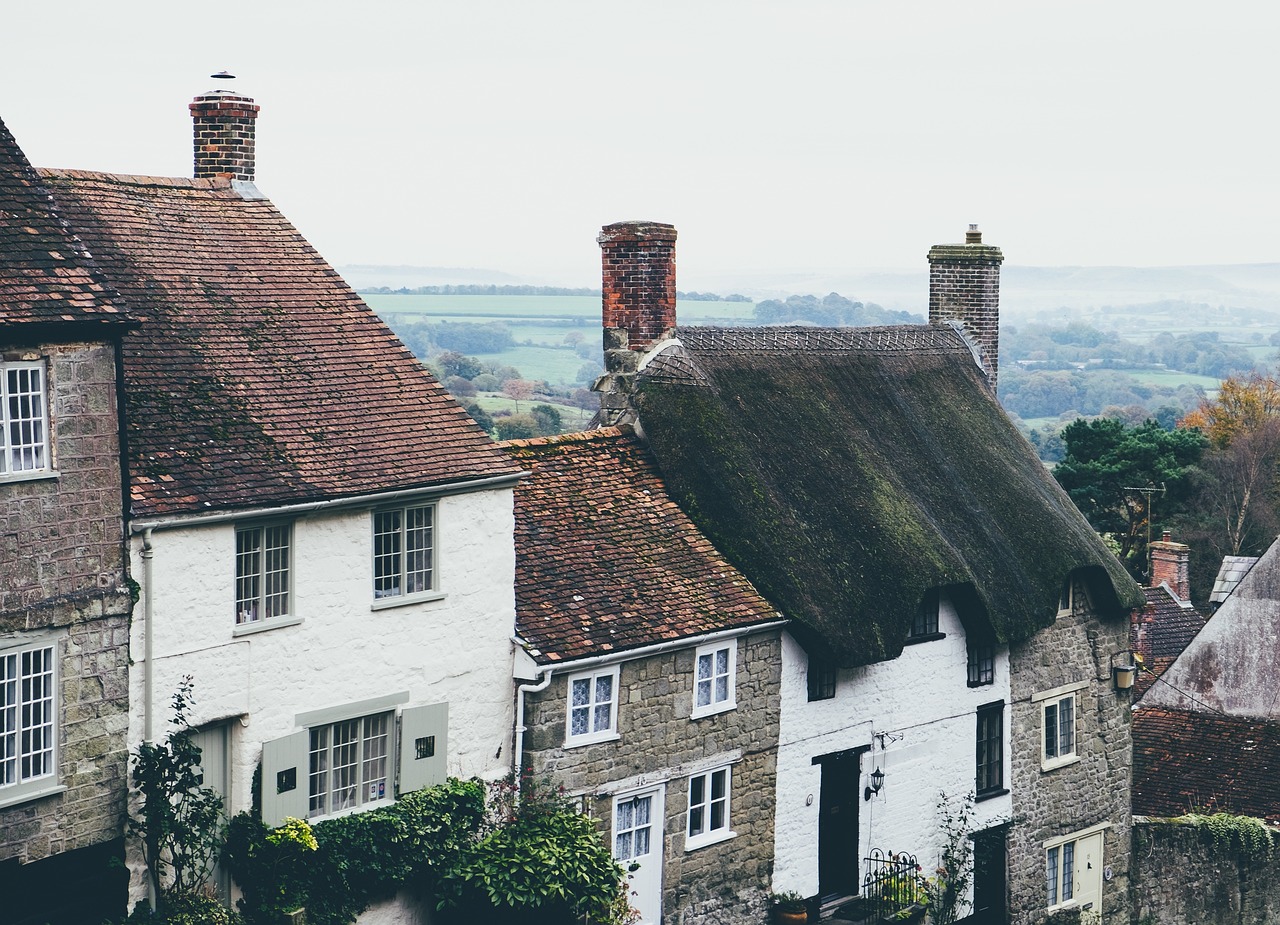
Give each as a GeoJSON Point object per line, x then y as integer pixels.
{"type": "Point", "coordinates": [964, 286]}
{"type": "Point", "coordinates": [1171, 565]}
{"type": "Point", "coordinates": [638, 306]}
{"type": "Point", "coordinates": [224, 130]}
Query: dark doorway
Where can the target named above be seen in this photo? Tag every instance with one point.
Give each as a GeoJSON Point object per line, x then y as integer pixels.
{"type": "Point", "coordinates": [989, 889]}
{"type": "Point", "coordinates": [838, 822]}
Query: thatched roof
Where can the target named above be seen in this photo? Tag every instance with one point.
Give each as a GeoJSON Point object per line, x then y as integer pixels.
{"type": "Point", "coordinates": [847, 472]}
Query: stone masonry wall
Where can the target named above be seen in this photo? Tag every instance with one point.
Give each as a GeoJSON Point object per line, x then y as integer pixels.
{"type": "Point", "coordinates": [63, 578]}
{"type": "Point", "coordinates": [721, 883]}
{"type": "Point", "coordinates": [1095, 789]}
{"type": "Point", "coordinates": [1179, 878]}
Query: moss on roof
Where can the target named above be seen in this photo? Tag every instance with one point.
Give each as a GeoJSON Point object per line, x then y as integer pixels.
{"type": "Point", "coordinates": [846, 481]}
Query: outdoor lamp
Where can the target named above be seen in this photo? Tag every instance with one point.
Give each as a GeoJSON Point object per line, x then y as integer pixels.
{"type": "Point", "coordinates": [877, 781]}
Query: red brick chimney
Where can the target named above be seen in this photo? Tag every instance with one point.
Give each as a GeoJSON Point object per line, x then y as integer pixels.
{"type": "Point", "coordinates": [638, 306]}
{"type": "Point", "coordinates": [224, 130]}
{"type": "Point", "coordinates": [964, 286]}
{"type": "Point", "coordinates": [1171, 565]}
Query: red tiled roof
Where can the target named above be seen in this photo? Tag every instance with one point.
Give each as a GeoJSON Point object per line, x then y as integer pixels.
{"type": "Point", "coordinates": [258, 377]}
{"type": "Point", "coordinates": [1169, 628]}
{"type": "Point", "coordinates": [606, 561]}
{"type": "Point", "coordinates": [45, 274]}
{"type": "Point", "coordinates": [1184, 761]}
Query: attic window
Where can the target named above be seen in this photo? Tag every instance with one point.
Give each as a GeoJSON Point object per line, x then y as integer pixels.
{"type": "Point", "coordinates": [1066, 596]}
{"type": "Point", "coordinates": [821, 678]}
{"type": "Point", "coordinates": [982, 663]}
{"type": "Point", "coordinates": [924, 626]}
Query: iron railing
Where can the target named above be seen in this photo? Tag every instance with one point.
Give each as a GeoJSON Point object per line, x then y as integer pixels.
{"type": "Point", "coordinates": [891, 884]}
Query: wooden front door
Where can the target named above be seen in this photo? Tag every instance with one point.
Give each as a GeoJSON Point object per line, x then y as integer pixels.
{"type": "Point", "coordinates": [838, 823]}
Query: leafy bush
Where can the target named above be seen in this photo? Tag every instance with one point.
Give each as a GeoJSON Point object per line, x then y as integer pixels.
{"type": "Point", "coordinates": [184, 909]}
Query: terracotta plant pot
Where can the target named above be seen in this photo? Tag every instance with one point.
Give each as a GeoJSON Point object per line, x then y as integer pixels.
{"type": "Point", "coordinates": [790, 918]}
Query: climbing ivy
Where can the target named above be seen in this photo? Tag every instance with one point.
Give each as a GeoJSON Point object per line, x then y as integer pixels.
{"type": "Point", "coordinates": [1250, 836]}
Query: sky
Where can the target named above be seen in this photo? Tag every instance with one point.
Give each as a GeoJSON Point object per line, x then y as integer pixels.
{"type": "Point", "coordinates": [837, 134]}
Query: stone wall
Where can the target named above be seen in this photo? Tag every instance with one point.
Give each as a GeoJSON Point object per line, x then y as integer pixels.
{"type": "Point", "coordinates": [1092, 790]}
{"type": "Point", "coordinates": [63, 581]}
{"type": "Point", "coordinates": [1180, 878]}
{"type": "Point", "coordinates": [658, 742]}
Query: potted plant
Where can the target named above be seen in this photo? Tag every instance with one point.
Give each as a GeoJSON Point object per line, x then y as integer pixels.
{"type": "Point", "coordinates": [789, 908]}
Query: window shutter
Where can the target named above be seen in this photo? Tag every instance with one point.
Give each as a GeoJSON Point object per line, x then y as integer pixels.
{"type": "Point", "coordinates": [286, 787]}
{"type": "Point", "coordinates": [424, 746]}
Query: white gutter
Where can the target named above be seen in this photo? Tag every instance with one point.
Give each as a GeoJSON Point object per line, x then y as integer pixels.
{"type": "Point", "coordinates": [147, 634]}
{"type": "Point", "coordinates": [520, 727]}
{"type": "Point", "coordinates": [431, 491]}
{"type": "Point", "coordinates": [659, 647]}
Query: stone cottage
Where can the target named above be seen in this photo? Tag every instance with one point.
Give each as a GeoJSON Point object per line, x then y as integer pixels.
{"type": "Point", "coordinates": [651, 670]}
{"type": "Point", "coordinates": [953, 617]}
{"type": "Point", "coordinates": [64, 600]}
{"type": "Point", "coordinates": [321, 537]}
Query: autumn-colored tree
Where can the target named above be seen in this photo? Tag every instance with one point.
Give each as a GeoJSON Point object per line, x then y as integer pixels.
{"type": "Point", "coordinates": [518, 390]}
{"type": "Point", "coordinates": [1243, 404]}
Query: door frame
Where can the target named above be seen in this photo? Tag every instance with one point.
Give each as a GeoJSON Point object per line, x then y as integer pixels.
{"type": "Point", "coordinates": [220, 877]}
{"type": "Point", "coordinates": [657, 838]}
{"type": "Point", "coordinates": [850, 762]}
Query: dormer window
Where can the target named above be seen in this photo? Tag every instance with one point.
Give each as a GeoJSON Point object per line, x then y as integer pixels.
{"type": "Point", "coordinates": [1066, 596]}
{"type": "Point", "coordinates": [982, 663]}
{"type": "Point", "coordinates": [924, 626]}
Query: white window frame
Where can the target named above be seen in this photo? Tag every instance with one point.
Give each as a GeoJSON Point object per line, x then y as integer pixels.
{"type": "Point", "coordinates": [1066, 596]}
{"type": "Point", "coordinates": [700, 815]}
{"type": "Point", "coordinates": [1058, 699]}
{"type": "Point", "coordinates": [592, 705]}
{"type": "Point", "coordinates": [371, 729]}
{"type": "Point", "coordinates": [36, 441]}
{"type": "Point", "coordinates": [20, 777]}
{"type": "Point", "coordinates": [258, 613]}
{"type": "Point", "coordinates": [720, 697]}
{"type": "Point", "coordinates": [396, 595]}
{"type": "Point", "coordinates": [1055, 853]}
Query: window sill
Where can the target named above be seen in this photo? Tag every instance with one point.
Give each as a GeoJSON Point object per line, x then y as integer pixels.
{"type": "Point", "coordinates": [404, 600]}
{"type": "Point", "coordinates": [714, 710]}
{"type": "Point", "coordinates": [704, 841]}
{"type": "Point", "coordinates": [926, 637]}
{"type": "Point", "coordinates": [351, 811]}
{"type": "Point", "coordinates": [28, 795]}
{"type": "Point", "coordinates": [262, 626]}
{"type": "Point", "coordinates": [592, 739]}
{"type": "Point", "coordinates": [35, 476]}
{"type": "Point", "coordinates": [990, 794]}
{"type": "Point", "coordinates": [980, 683]}
{"type": "Point", "coordinates": [1052, 764]}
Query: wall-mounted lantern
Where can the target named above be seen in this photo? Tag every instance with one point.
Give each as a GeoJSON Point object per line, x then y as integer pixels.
{"type": "Point", "coordinates": [877, 781]}
{"type": "Point", "coordinates": [1124, 670]}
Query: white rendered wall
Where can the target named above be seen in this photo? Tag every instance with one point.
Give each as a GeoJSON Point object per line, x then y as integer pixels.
{"type": "Point", "coordinates": [921, 699]}
{"type": "Point", "coordinates": [456, 649]}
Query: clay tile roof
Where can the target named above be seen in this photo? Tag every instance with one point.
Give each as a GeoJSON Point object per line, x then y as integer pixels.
{"type": "Point", "coordinates": [258, 377]}
{"type": "Point", "coordinates": [1184, 761]}
{"type": "Point", "coordinates": [1169, 627]}
{"type": "Point", "coordinates": [849, 472]}
{"type": "Point", "coordinates": [606, 561]}
{"type": "Point", "coordinates": [45, 274]}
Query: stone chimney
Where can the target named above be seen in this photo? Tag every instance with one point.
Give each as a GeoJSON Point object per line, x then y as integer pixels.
{"type": "Point", "coordinates": [638, 307]}
{"type": "Point", "coordinates": [224, 130]}
{"type": "Point", "coordinates": [964, 286]}
{"type": "Point", "coordinates": [1171, 565]}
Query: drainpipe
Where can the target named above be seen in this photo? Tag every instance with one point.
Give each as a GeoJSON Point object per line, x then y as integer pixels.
{"type": "Point", "coordinates": [147, 634]}
{"type": "Point", "coordinates": [520, 727]}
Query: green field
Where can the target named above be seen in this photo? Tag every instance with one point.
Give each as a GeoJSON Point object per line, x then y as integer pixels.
{"type": "Point", "coordinates": [565, 312]}
{"type": "Point", "coordinates": [1173, 378]}
{"type": "Point", "coordinates": [554, 365]}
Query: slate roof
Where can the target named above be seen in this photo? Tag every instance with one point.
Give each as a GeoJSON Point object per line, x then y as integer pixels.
{"type": "Point", "coordinates": [1170, 625]}
{"type": "Point", "coordinates": [1230, 666]}
{"type": "Point", "coordinates": [258, 376]}
{"type": "Point", "coordinates": [847, 472]}
{"type": "Point", "coordinates": [1232, 570]}
{"type": "Point", "coordinates": [606, 561]}
{"type": "Point", "coordinates": [1184, 761]}
{"type": "Point", "coordinates": [46, 276]}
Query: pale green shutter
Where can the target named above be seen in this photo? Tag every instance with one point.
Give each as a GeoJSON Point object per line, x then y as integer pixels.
{"type": "Point", "coordinates": [285, 782]}
{"type": "Point", "coordinates": [424, 746]}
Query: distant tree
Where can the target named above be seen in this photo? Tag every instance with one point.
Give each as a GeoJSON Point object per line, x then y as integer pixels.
{"type": "Point", "coordinates": [516, 427]}
{"type": "Point", "coordinates": [486, 382]}
{"type": "Point", "coordinates": [518, 390]}
{"type": "Point", "coordinates": [547, 418]}
{"type": "Point", "coordinates": [1106, 459]}
{"type": "Point", "coordinates": [573, 338]}
{"type": "Point", "coordinates": [588, 373]}
{"type": "Point", "coordinates": [458, 386]}
{"type": "Point", "coordinates": [453, 363]}
{"type": "Point", "coordinates": [479, 415]}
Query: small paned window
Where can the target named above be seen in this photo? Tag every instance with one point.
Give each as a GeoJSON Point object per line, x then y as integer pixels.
{"type": "Point", "coordinates": [593, 707]}
{"type": "Point", "coordinates": [708, 808]}
{"type": "Point", "coordinates": [262, 572]}
{"type": "Point", "coordinates": [28, 715]}
{"type": "Point", "coordinates": [24, 419]}
{"type": "Point", "coordinates": [713, 682]}
{"type": "Point", "coordinates": [924, 625]}
{"type": "Point", "coordinates": [982, 664]}
{"type": "Point", "coordinates": [1060, 873]}
{"type": "Point", "coordinates": [403, 551]}
{"type": "Point", "coordinates": [821, 677]}
{"type": "Point", "coordinates": [1066, 596]}
{"type": "Point", "coordinates": [1060, 728]}
{"type": "Point", "coordinates": [349, 764]}
{"type": "Point", "coordinates": [990, 752]}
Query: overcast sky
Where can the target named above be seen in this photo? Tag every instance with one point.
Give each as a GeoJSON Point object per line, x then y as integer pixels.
{"type": "Point", "coordinates": [784, 135]}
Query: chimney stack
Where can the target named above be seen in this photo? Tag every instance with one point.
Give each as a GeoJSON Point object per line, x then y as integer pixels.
{"type": "Point", "coordinates": [1171, 565]}
{"type": "Point", "coordinates": [964, 286]}
{"type": "Point", "coordinates": [638, 306]}
{"type": "Point", "coordinates": [224, 130]}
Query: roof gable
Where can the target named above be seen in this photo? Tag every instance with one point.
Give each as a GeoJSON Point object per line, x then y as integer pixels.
{"type": "Point", "coordinates": [606, 561]}
{"type": "Point", "coordinates": [258, 377]}
{"type": "Point", "coordinates": [848, 472]}
{"type": "Point", "coordinates": [46, 277]}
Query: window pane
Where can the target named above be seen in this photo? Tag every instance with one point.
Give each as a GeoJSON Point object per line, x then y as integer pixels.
{"type": "Point", "coordinates": [604, 688]}
{"type": "Point", "coordinates": [36, 742]}
{"type": "Point", "coordinates": [276, 571]}
{"type": "Point", "coordinates": [1051, 731]}
{"type": "Point", "coordinates": [622, 846]}
{"type": "Point", "coordinates": [641, 842]}
{"type": "Point", "coordinates": [642, 810]}
{"type": "Point", "coordinates": [374, 772]}
{"type": "Point", "coordinates": [704, 693]}
{"type": "Point", "coordinates": [248, 574]}
{"type": "Point", "coordinates": [695, 819]}
{"type": "Point", "coordinates": [346, 740]}
{"type": "Point", "coordinates": [1051, 872]}
{"type": "Point", "coordinates": [717, 784]}
{"type": "Point", "coordinates": [1066, 726]}
{"type": "Point", "coordinates": [319, 773]}
{"type": "Point", "coordinates": [722, 689]}
{"type": "Point", "coordinates": [418, 549]}
{"type": "Point", "coordinates": [626, 813]}
{"type": "Point", "coordinates": [8, 719]}
{"type": "Point", "coordinates": [581, 692]}
{"type": "Point", "coordinates": [386, 554]}
{"type": "Point", "coordinates": [722, 661]}
{"type": "Point", "coordinates": [1068, 870]}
